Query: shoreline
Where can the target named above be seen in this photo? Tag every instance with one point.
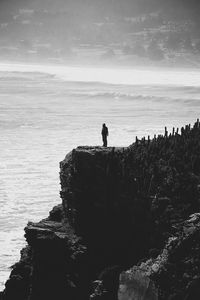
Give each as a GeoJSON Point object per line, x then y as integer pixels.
{"type": "Point", "coordinates": [108, 75]}
{"type": "Point", "coordinates": [102, 64]}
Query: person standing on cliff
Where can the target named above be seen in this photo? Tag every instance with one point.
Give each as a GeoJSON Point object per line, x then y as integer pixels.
{"type": "Point", "coordinates": [104, 134]}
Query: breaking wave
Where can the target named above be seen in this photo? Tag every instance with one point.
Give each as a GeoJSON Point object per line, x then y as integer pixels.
{"type": "Point", "coordinates": [124, 76]}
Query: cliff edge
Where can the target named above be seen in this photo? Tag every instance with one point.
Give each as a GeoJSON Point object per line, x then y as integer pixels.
{"type": "Point", "coordinates": [128, 226]}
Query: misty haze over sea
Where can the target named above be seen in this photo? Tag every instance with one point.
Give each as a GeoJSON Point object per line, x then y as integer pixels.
{"type": "Point", "coordinates": [66, 67]}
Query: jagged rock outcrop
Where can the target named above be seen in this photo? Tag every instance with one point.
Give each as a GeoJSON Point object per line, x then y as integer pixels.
{"type": "Point", "coordinates": [101, 203]}
{"type": "Point", "coordinates": [45, 268]}
{"type": "Point", "coordinates": [121, 207]}
{"type": "Point", "coordinates": [175, 270]}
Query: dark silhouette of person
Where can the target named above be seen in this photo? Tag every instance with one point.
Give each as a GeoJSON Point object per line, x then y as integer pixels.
{"type": "Point", "coordinates": [104, 134]}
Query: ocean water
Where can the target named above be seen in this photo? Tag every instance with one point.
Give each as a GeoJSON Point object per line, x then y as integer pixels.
{"type": "Point", "coordinates": [45, 111]}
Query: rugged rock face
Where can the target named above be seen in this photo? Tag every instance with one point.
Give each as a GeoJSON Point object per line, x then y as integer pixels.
{"type": "Point", "coordinates": [121, 207]}
{"type": "Point", "coordinates": [101, 203]}
{"type": "Point", "coordinates": [175, 270]}
{"type": "Point", "coordinates": [45, 268]}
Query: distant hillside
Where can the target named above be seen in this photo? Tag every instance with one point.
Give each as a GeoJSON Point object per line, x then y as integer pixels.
{"type": "Point", "coordinates": [57, 30]}
{"type": "Point", "coordinates": [105, 7]}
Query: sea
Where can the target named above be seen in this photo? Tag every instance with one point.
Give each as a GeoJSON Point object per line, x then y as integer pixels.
{"type": "Point", "coordinates": [47, 110]}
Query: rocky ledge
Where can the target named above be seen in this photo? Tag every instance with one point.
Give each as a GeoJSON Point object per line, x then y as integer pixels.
{"type": "Point", "coordinates": [128, 226]}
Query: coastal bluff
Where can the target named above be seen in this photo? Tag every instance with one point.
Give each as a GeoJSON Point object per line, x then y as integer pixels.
{"type": "Point", "coordinates": [128, 226]}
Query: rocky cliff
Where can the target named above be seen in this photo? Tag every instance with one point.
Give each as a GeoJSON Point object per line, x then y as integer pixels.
{"type": "Point", "coordinates": [124, 229]}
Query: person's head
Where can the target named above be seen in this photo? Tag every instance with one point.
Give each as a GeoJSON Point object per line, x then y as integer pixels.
{"type": "Point", "coordinates": [104, 125]}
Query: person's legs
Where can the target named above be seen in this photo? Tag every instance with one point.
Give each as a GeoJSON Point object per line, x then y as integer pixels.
{"type": "Point", "coordinates": [104, 141]}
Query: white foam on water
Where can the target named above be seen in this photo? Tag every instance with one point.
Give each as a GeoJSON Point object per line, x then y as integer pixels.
{"type": "Point", "coordinates": [127, 76]}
